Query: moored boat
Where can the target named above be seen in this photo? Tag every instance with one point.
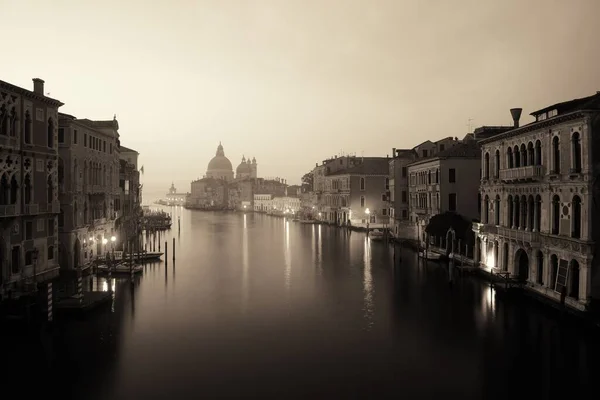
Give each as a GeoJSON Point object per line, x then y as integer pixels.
{"type": "Point", "coordinates": [122, 268]}
{"type": "Point", "coordinates": [142, 256]}
{"type": "Point", "coordinates": [376, 234]}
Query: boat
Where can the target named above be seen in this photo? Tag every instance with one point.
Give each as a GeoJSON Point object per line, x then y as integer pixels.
{"type": "Point", "coordinates": [377, 234]}
{"type": "Point", "coordinates": [430, 255]}
{"type": "Point", "coordinates": [142, 256]}
{"type": "Point", "coordinates": [122, 268]}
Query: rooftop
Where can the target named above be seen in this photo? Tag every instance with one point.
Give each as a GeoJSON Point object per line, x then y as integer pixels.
{"type": "Point", "coordinates": [468, 149]}
{"type": "Point", "coordinates": [368, 166]}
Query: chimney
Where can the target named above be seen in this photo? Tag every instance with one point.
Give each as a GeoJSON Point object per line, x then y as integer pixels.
{"type": "Point", "coordinates": [38, 86]}
{"type": "Point", "coordinates": [516, 115]}
{"type": "Point", "coordinates": [393, 152]}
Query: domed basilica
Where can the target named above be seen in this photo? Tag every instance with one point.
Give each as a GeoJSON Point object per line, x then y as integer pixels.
{"type": "Point", "coordinates": [220, 167]}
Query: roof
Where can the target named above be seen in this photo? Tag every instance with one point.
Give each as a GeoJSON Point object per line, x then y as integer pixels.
{"type": "Point", "coordinates": [124, 149]}
{"type": "Point", "coordinates": [584, 103]}
{"type": "Point", "coordinates": [566, 110]}
{"type": "Point", "coordinates": [111, 124]}
{"type": "Point", "coordinates": [368, 166]}
{"type": "Point", "coordinates": [405, 152]}
{"type": "Point", "coordinates": [468, 149]}
{"type": "Point", "coordinates": [30, 94]}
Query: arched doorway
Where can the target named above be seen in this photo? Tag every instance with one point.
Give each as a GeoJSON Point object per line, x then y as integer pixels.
{"type": "Point", "coordinates": [76, 253]}
{"type": "Point", "coordinates": [540, 267]}
{"type": "Point", "coordinates": [522, 263]}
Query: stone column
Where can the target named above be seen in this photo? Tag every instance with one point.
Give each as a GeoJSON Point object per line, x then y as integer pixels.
{"type": "Point", "coordinates": [585, 280]}
{"type": "Point", "coordinates": [495, 251]}
{"type": "Point", "coordinates": [510, 267]}
{"type": "Point", "coordinates": [515, 216]}
{"type": "Point", "coordinates": [533, 266]}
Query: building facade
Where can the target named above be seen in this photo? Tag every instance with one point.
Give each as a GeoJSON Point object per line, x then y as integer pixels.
{"type": "Point", "coordinates": [29, 174]}
{"type": "Point", "coordinates": [128, 210]}
{"type": "Point", "coordinates": [448, 181]}
{"type": "Point", "coordinates": [263, 202]}
{"type": "Point", "coordinates": [399, 211]}
{"type": "Point", "coordinates": [88, 180]}
{"type": "Point", "coordinates": [539, 220]}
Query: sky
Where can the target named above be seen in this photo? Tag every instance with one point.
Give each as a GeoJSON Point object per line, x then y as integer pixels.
{"type": "Point", "coordinates": [293, 82]}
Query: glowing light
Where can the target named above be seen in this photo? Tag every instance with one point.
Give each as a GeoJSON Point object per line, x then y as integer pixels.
{"type": "Point", "coordinates": [104, 241]}
{"type": "Point", "coordinates": [113, 239]}
{"type": "Point", "coordinates": [367, 211]}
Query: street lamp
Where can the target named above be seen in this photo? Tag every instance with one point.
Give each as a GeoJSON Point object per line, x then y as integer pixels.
{"type": "Point", "coordinates": [368, 212]}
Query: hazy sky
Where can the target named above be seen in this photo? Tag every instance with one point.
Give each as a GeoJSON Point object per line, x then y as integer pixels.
{"type": "Point", "coordinates": [293, 82]}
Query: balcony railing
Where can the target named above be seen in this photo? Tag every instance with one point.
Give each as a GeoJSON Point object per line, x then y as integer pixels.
{"type": "Point", "coordinates": [528, 173]}
{"type": "Point", "coordinates": [519, 235]}
{"type": "Point", "coordinates": [32, 209]}
{"type": "Point", "coordinates": [11, 210]}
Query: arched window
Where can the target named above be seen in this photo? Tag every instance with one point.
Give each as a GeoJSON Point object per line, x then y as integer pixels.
{"type": "Point", "coordinates": [497, 211]}
{"type": "Point", "coordinates": [523, 216]}
{"type": "Point", "coordinates": [497, 164]}
{"type": "Point", "coordinates": [362, 183]}
{"type": "Point", "coordinates": [479, 203]}
{"type": "Point", "coordinates": [538, 153]}
{"type": "Point", "coordinates": [50, 189]}
{"type": "Point", "coordinates": [576, 152]}
{"type": "Point", "coordinates": [3, 120]}
{"type": "Point", "coordinates": [555, 214]}
{"type": "Point", "coordinates": [509, 158]}
{"type": "Point", "coordinates": [51, 133]}
{"type": "Point", "coordinates": [14, 189]}
{"type": "Point", "coordinates": [523, 155]}
{"type": "Point", "coordinates": [574, 279]}
{"type": "Point", "coordinates": [517, 156]}
{"type": "Point", "coordinates": [27, 189]}
{"type": "Point", "coordinates": [531, 153]}
{"type": "Point", "coordinates": [429, 177]}
{"type": "Point", "coordinates": [510, 209]}
{"type": "Point", "coordinates": [530, 212]}
{"type": "Point", "coordinates": [486, 209]}
{"type": "Point", "coordinates": [555, 155]}
{"type": "Point", "coordinates": [27, 135]}
{"type": "Point", "coordinates": [75, 215]}
{"type": "Point", "coordinates": [505, 257]}
{"type": "Point", "coordinates": [540, 268]}
{"type": "Point", "coordinates": [486, 166]}
{"type": "Point", "coordinates": [576, 218]}
{"type": "Point", "coordinates": [61, 174]}
{"type": "Point", "coordinates": [437, 175]}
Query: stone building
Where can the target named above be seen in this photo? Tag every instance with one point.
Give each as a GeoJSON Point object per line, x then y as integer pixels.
{"type": "Point", "coordinates": [29, 204]}
{"type": "Point", "coordinates": [209, 193]}
{"type": "Point", "coordinates": [399, 217]}
{"type": "Point", "coordinates": [247, 169]}
{"type": "Point", "coordinates": [447, 181]}
{"type": "Point", "coordinates": [539, 220]}
{"type": "Point", "coordinates": [88, 178]}
{"type": "Point", "coordinates": [263, 202]}
{"type": "Point", "coordinates": [127, 223]}
{"type": "Point", "coordinates": [358, 194]}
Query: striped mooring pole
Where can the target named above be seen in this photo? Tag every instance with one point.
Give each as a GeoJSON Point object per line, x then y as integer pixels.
{"type": "Point", "coordinates": [80, 286]}
{"type": "Point", "coordinates": [49, 298]}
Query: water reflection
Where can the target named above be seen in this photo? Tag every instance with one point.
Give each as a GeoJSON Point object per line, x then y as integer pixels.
{"type": "Point", "coordinates": [368, 287]}
{"type": "Point", "coordinates": [288, 257]}
{"type": "Point", "coordinates": [245, 264]}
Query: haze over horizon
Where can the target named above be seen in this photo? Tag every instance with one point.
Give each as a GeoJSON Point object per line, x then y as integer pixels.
{"type": "Point", "coordinates": [292, 83]}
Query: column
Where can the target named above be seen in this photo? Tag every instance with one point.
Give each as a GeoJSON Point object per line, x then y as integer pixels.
{"type": "Point", "coordinates": [533, 266]}
{"type": "Point", "coordinates": [495, 251]}
{"type": "Point", "coordinates": [510, 265]}
{"type": "Point", "coordinates": [515, 212]}
{"type": "Point", "coordinates": [585, 279]}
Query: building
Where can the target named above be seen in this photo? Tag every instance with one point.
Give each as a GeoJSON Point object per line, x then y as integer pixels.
{"type": "Point", "coordinates": [263, 202]}
{"type": "Point", "coordinates": [173, 197]}
{"type": "Point", "coordinates": [127, 224]}
{"type": "Point", "coordinates": [209, 193]}
{"type": "Point", "coordinates": [539, 221]}
{"type": "Point", "coordinates": [29, 178]}
{"type": "Point", "coordinates": [219, 167]}
{"type": "Point", "coordinates": [399, 210]}
{"type": "Point", "coordinates": [358, 193]}
{"type": "Point", "coordinates": [88, 179]}
{"type": "Point", "coordinates": [429, 149]}
{"type": "Point", "coordinates": [285, 205]}
{"type": "Point", "coordinates": [447, 181]}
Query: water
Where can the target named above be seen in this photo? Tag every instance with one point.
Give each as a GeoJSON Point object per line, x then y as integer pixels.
{"type": "Point", "coordinates": [261, 307]}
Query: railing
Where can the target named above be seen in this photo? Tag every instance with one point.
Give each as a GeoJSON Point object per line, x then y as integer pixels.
{"type": "Point", "coordinates": [530, 172]}
{"type": "Point", "coordinates": [11, 210]}
{"type": "Point", "coordinates": [519, 235]}
{"type": "Point", "coordinates": [32, 209]}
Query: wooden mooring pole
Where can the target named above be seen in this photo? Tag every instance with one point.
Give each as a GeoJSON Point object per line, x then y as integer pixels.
{"type": "Point", "coordinates": [166, 253]}
{"type": "Point", "coordinates": [173, 249]}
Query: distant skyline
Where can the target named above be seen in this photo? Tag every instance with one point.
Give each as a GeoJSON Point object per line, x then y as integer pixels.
{"type": "Point", "coordinates": [294, 82]}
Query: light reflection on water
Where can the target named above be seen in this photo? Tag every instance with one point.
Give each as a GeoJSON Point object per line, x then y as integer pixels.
{"type": "Point", "coordinates": [245, 264]}
{"type": "Point", "coordinates": [287, 256]}
{"type": "Point", "coordinates": [368, 285]}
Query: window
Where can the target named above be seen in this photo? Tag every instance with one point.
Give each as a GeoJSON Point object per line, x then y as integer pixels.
{"type": "Point", "coordinates": [576, 221]}
{"type": "Point", "coordinates": [497, 164]}
{"type": "Point", "coordinates": [404, 170]}
{"type": "Point", "coordinates": [387, 183]}
{"type": "Point", "coordinates": [29, 257]}
{"type": "Point", "coordinates": [404, 214]}
{"type": "Point", "coordinates": [110, 148]}
{"type": "Point", "coordinates": [486, 166]}
{"type": "Point", "coordinates": [61, 135]}
{"type": "Point", "coordinates": [576, 152]}
{"type": "Point", "coordinates": [75, 136]}
{"type": "Point", "coordinates": [486, 210]}
{"type": "Point", "coordinates": [362, 183]}
{"type": "Point", "coordinates": [104, 146]}
{"type": "Point", "coordinates": [555, 214]}
{"type": "Point", "coordinates": [404, 196]}
{"type": "Point", "coordinates": [424, 153]}
{"type": "Point", "coordinates": [27, 128]}
{"type": "Point", "coordinates": [50, 252]}
{"type": "Point", "coordinates": [28, 230]}
{"type": "Point", "coordinates": [384, 211]}
{"type": "Point", "coordinates": [555, 155]}
{"type": "Point", "coordinates": [51, 227]}
{"type": "Point", "coordinates": [509, 158]}
{"type": "Point", "coordinates": [452, 202]}
{"type": "Point", "coordinates": [429, 177]}
{"type": "Point", "coordinates": [362, 201]}
{"type": "Point", "coordinates": [452, 175]}
{"type": "Point", "coordinates": [442, 147]}
{"type": "Point", "coordinates": [85, 144]}
{"type": "Point", "coordinates": [383, 197]}
{"type": "Point", "coordinates": [41, 225]}
{"type": "Point", "coordinates": [497, 210]}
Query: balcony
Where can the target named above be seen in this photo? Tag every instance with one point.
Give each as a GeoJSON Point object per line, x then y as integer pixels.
{"type": "Point", "coordinates": [523, 174]}
{"type": "Point", "coordinates": [11, 210]}
{"type": "Point", "coordinates": [32, 209]}
{"type": "Point", "coordinates": [519, 235]}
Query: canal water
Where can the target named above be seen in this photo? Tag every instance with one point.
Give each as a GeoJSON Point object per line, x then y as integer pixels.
{"type": "Point", "coordinates": [262, 307]}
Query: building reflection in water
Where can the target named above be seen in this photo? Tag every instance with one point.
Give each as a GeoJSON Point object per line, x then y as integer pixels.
{"type": "Point", "coordinates": [368, 284]}
{"type": "Point", "coordinates": [319, 247]}
{"type": "Point", "coordinates": [245, 265]}
{"type": "Point", "coordinates": [288, 257]}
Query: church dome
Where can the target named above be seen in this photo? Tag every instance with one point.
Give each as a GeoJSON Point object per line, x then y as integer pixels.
{"type": "Point", "coordinates": [244, 167]}
{"type": "Point", "coordinates": [219, 162]}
